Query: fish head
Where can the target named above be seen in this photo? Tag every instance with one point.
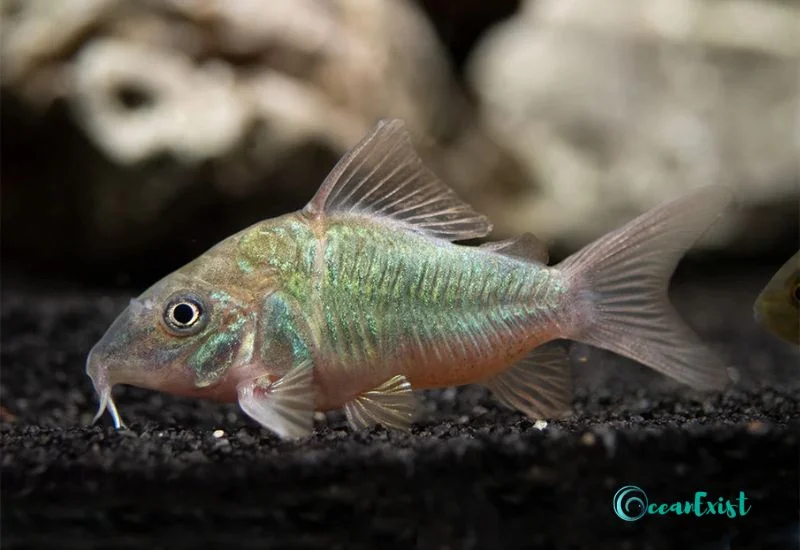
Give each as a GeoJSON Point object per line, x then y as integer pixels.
{"type": "Point", "coordinates": [180, 336]}
{"type": "Point", "coordinates": [778, 305]}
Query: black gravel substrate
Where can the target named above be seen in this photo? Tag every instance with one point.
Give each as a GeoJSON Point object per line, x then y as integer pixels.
{"type": "Point", "coordinates": [470, 475]}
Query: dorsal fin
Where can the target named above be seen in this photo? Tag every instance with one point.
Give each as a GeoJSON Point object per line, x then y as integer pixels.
{"type": "Point", "coordinates": [525, 247]}
{"type": "Point", "coordinates": [383, 176]}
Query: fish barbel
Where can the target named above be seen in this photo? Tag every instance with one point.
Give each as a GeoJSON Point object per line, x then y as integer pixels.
{"type": "Point", "coordinates": [362, 297]}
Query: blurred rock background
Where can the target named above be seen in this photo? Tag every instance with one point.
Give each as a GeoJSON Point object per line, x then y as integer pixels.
{"type": "Point", "coordinates": [134, 134]}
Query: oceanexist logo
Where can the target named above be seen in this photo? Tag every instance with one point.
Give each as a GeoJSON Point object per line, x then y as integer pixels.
{"type": "Point", "coordinates": [631, 504]}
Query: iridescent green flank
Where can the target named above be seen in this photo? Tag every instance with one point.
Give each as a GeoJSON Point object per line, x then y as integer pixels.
{"type": "Point", "coordinates": [383, 289]}
{"type": "Point", "coordinates": [383, 295]}
{"type": "Point", "coordinates": [283, 248]}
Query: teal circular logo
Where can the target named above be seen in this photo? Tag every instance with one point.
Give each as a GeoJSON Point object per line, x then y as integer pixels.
{"type": "Point", "coordinates": [630, 503]}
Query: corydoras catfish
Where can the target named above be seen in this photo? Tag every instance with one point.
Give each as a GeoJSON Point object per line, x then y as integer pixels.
{"type": "Point", "coordinates": [362, 297]}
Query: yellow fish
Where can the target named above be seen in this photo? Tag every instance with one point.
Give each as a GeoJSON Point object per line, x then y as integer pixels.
{"type": "Point", "coordinates": [363, 296]}
{"type": "Point", "coordinates": [778, 305]}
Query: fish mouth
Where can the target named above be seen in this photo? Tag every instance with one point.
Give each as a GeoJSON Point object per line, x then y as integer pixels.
{"type": "Point", "coordinates": [99, 377]}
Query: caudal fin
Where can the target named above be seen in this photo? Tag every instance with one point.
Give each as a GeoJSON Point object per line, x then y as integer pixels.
{"type": "Point", "coordinates": [619, 288]}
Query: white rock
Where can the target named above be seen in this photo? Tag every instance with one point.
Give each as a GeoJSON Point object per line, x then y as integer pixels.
{"type": "Point", "coordinates": [191, 112]}
{"type": "Point", "coordinates": [613, 107]}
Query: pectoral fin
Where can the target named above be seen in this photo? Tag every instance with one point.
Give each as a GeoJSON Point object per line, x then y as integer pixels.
{"type": "Point", "coordinates": [539, 386]}
{"type": "Point", "coordinates": [390, 404]}
{"type": "Point", "coordinates": [285, 406]}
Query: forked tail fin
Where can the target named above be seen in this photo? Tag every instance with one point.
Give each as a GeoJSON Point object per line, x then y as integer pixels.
{"type": "Point", "coordinates": [618, 287]}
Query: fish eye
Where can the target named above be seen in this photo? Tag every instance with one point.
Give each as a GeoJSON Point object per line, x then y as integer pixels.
{"type": "Point", "coordinates": [796, 293]}
{"type": "Point", "coordinates": [185, 315]}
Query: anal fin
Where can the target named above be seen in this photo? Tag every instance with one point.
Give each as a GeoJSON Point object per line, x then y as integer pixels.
{"type": "Point", "coordinates": [285, 406]}
{"type": "Point", "coordinates": [390, 404]}
{"type": "Point", "coordinates": [540, 385]}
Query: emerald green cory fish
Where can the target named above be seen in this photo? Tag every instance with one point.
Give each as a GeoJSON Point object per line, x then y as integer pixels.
{"type": "Point", "coordinates": [362, 297]}
{"type": "Point", "coordinates": [778, 305]}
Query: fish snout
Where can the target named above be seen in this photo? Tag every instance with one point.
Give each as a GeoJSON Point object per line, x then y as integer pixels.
{"type": "Point", "coordinates": [112, 359]}
{"type": "Point", "coordinates": [95, 368]}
